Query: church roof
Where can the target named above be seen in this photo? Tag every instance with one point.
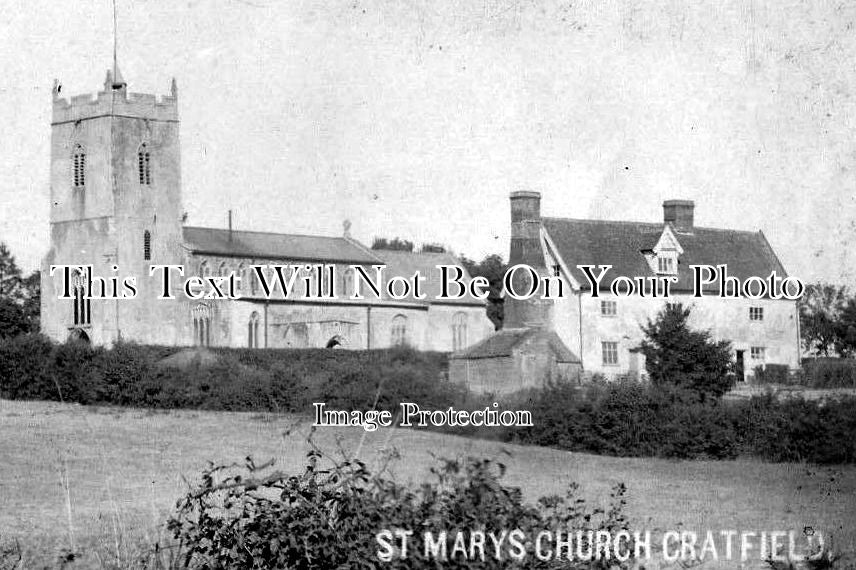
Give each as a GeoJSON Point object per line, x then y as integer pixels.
{"type": "Point", "coordinates": [503, 342]}
{"type": "Point", "coordinates": [620, 244]}
{"type": "Point", "coordinates": [406, 263]}
{"type": "Point", "coordinates": [289, 247]}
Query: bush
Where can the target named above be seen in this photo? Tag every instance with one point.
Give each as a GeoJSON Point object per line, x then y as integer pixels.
{"type": "Point", "coordinates": [636, 420]}
{"type": "Point", "coordinates": [253, 517]}
{"type": "Point", "coordinates": [31, 367]}
{"type": "Point", "coordinates": [676, 355]}
{"type": "Point", "coordinates": [829, 373]}
{"type": "Point", "coordinates": [772, 374]}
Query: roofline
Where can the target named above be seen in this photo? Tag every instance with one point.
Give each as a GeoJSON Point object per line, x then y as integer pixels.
{"type": "Point", "coordinates": [227, 230]}
{"type": "Point", "coordinates": [772, 253]}
{"type": "Point", "coordinates": [652, 224]}
{"type": "Point", "coordinates": [283, 257]}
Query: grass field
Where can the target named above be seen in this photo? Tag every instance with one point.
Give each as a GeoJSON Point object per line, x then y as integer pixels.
{"type": "Point", "coordinates": [100, 481]}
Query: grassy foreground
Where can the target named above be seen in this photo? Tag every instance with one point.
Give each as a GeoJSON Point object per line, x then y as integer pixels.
{"type": "Point", "coordinates": [100, 481]}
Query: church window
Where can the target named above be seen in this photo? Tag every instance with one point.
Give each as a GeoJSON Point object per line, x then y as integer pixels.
{"type": "Point", "coordinates": [610, 353]}
{"type": "Point", "coordinates": [399, 330]}
{"type": "Point", "coordinates": [147, 245]}
{"type": "Point", "coordinates": [253, 330]}
{"type": "Point", "coordinates": [144, 165]}
{"type": "Point", "coordinates": [79, 167]}
{"type": "Point", "coordinates": [348, 283]}
{"type": "Point", "coordinates": [459, 331]}
{"type": "Point", "coordinates": [242, 276]}
{"type": "Point", "coordinates": [201, 325]}
{"type": "Point", "coordinates": [82, 311]}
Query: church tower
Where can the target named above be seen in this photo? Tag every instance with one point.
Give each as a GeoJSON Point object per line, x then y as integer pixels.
{"type": "Point", "coordinates": [115, 190]}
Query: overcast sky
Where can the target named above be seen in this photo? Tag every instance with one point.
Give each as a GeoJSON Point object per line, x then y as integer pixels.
{"type": "Point", "coordinates": [417, 118]}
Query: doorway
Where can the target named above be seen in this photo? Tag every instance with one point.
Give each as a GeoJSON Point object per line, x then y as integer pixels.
{"type": "Point", "coordinates": [738, 367]}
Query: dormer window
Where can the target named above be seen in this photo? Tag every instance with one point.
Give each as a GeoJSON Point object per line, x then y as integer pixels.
{"type": "Point", "coordinates": [79, 167]}
{"type": "Point", "coordinates": [666, 262]}
{"type": "Point", "coordinates": [144, 165]}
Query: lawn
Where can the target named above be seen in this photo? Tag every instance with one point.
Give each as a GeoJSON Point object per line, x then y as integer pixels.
{"type": "Point", "coordinates": [100, 481]}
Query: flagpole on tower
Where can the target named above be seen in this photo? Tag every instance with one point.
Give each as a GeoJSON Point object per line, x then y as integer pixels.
{"type": "Point", "coordinates": [115, 57]}
{"type": "Point", "coordinates": [118, 81]}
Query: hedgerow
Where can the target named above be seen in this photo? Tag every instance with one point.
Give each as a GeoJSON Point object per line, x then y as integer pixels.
{"type": "Point", "coordinates": [629, 419]}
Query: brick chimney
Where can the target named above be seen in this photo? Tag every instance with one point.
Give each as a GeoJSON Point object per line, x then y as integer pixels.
{"type": "Point", "coordinates": [679, 213]}
{"type": "Point", "coordinates": [526, 249]}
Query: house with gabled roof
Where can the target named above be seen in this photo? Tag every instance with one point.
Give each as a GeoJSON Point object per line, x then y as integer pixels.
{"type": "Point", "coordinates": [600, 331]}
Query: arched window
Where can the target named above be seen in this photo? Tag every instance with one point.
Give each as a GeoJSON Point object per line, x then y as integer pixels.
{"type": "Point", "coordinates": [241, 276]}
{"type": "Point", "coordinates": [147, 245]}
{"type": "Point", "coordinates": [253, 330]}
{"type": "Point", "coordinates": [223, 270]}
{"type": "Point", "coordinates": [399, 330]}
{"type": "Point", "coordinates": [347, 283]}
{"type": "Point", "coordinates": [144, 165]}
{"type": "Point", "coordinates": [79, 167]}
{"type": "Point", "coordinates": [201, 325]}
{"type": "Point", "coordinates": [204, 269]}
{"type": "Point", "coordinates": [459, 331]}
{"type": "Point", "coordinates": [253, 281]}
{"type": "Point", "coordinates": [82, 305]}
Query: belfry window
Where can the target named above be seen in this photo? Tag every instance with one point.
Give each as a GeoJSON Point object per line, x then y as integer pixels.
{"type": "Point", "coordinates": [79, 167]}
{"type": "Point", "coordinates": [144, 165]}
{"type": "Point", "coordinates": [147, 245]}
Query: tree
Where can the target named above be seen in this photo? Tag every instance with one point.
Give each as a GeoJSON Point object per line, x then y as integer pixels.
{"type": "Point", "coordinates": [493, 268]}
{"type": "Point", "coordinates": [394, 244]}
{"type": "Point", "coordinates": [31, 287]}
{"type": "Point", "coordinates": [13, 321]}
{"type": "Point", "coordinates": [676, 355]}
{"type": "Point", "coordinates": [10, 275]}
{"type": "Point", "coordinates": [19, 297]}
{"type": "Point", "coordinates": [845, 329]}
{"type": "Point", "coordinates": [820, 309]}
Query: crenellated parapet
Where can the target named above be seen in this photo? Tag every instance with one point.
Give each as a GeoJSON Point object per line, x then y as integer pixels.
{"type": "Point", "coordinates": [115, 100]}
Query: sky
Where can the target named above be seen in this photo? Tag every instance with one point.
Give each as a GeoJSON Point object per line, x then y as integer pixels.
{"type": "Point", "coordinates": [417, 118]}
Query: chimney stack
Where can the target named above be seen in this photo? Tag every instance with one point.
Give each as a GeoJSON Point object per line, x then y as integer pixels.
{"type": "Point", "coordinates": [526, 249]}
{"type": "Point", "coordinates": [679, 213]}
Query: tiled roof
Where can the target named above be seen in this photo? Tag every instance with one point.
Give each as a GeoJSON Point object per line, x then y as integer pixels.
{"type": "Point", "coordinates": [620, 244]}
{"type": "Point", "coordinates": [406, 263]}
{"type": "Point", "coordinates": [276, 246]}
{"type": "Point", "coordinates": [503, 343]}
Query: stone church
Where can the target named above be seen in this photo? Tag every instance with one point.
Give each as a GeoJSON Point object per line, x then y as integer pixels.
{"type": "Point", "coordinates": [583, 334]}
{"type": "Point", "coordinates": [115, 190]}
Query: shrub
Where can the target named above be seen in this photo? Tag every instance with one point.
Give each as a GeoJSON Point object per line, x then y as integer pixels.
{"type": "Point", "coordinates": [637, 420]}
{"type": "Point", "coordinates": [830, 373]}
{"type": "Point", "coordinates": [253, 517]}
{"type": "Point", "coordinates": [679, 356]}
{"type": "Point", "coordinates": [772, 374]}
{"type": "Point", "coordinates": [24, 364]}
